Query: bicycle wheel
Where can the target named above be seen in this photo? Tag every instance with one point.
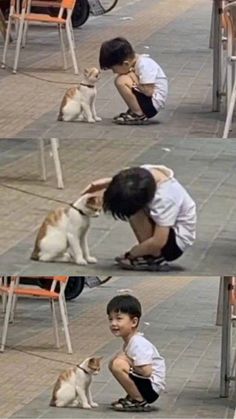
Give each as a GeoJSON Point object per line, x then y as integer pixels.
{"type": "Point", "coordinates": [108, 5]}
{"type": "Point", "coordinates": [80, 13]}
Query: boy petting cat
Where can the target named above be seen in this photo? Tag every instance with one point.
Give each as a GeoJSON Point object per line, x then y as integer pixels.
{"type": "Point", "coordinates": [141, 82]}
{"type": "Point", "coordinates": [139, 368]}
{"type": "Point", "coordinates": [160, 211]}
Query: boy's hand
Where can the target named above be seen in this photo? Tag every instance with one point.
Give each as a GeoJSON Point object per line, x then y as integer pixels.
{"type": "Point", "coordinates": [151, 246]}
{"type": "Point", "coordinates": [146, 89]}
{"type": "Point", "coordinates": [144, 370]}
{"type": "Point", "coordinates": [98, 185]}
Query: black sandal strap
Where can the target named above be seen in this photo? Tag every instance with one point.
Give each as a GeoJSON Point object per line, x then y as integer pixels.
{"type": "Point", "coordinates": [130, 405]}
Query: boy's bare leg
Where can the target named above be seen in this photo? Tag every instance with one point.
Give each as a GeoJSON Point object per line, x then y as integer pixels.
{"type": "Point", "coordinates": [142, 226]}
{"type": "Point", "coordinates": [120, 367]}
{"type": "Point", "coordinates": [124, 84]}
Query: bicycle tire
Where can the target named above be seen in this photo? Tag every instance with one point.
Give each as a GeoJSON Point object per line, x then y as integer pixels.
{"type": "Point", "coordinates": [80, 13]}
{"type": "Point", "coordinates": [108, 5]}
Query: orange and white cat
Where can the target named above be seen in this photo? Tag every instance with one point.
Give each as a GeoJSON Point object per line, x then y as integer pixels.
{"type": "Point", "coordinates": [78, 102]}
{"type": "Point", "coordinates": [72, 387]}
{"type": "Point", "coordinates": [62, 236]}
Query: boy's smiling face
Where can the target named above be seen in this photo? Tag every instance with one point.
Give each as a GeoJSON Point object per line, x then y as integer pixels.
{"type": "Point", "coordinates": [122, 325]}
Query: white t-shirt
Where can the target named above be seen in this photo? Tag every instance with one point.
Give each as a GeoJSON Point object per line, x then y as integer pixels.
{"type": "Point", "coordinates": [143, 352]}
{"type": "Point", "coordinates": [148, 71]}
{"type": "Point", "coordinates": [172, 206]}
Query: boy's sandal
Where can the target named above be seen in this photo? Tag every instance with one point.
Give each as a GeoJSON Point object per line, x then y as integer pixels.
{"type": "Point", "coordinates": [121, 115]}
{"type": "Point", "coordinates": [141, 259]}
{"type": "Point", "coordinates": [121, 400]}
{"type": "Point", "coordinates": [128, 405]}
{"type": "Point", "coordinates": [145, 264]}
{"type": "Point", "coordinates": [131, 118]}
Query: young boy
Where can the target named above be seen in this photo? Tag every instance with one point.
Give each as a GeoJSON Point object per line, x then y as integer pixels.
{"type": "Point", "coordinates": [139, 368]}
{"type": "Point", "coordinates": [159, 209]}
{"type": "Point", "coordinates": [141, 82]}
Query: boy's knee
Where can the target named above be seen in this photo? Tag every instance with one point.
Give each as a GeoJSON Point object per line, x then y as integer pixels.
{"type": "Point", "coordinates": [119, 80]}
{"type": "Point", "coordinates": [122, 79]}
{"type": "Point", "coordinates": [119, 364]}
{"type": "Point", "coordinates": [110, 364]}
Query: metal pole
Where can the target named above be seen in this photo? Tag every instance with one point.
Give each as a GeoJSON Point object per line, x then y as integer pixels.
{"type": "Point", "coordinates": [225, 339]}
{"type": "Point", "coordinates": [217, 52]}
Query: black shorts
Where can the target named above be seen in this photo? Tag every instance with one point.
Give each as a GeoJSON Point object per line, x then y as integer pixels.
{"type": "Point", "coordinates": [145, 103]}
{"type": "Point", "coordinates": [171, 250]}
{"type": "Point", "coordinates": [144, 387]}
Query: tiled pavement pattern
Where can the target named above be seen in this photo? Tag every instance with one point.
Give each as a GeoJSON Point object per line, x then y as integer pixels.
{"type": "Point", "coordinates": [207, 169]}
{"type": "Point", "coordinates": [178, 38]}
{"type": "Point", "coordinates": [181, 316]}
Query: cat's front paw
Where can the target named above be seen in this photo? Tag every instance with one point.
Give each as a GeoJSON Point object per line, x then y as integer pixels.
{"type": "Point", "coordinates": [91, 120]}
{"type": "Point", "coordinates": [86, 406]}
{"type": "Point", "coordinates": [81, 261]}
{"type": "Point", "coordinates": [91, 259]}
{"type": "Point", "coordinates": [93, 404]}
{"type": "Point", "coordinates": [97, 118]}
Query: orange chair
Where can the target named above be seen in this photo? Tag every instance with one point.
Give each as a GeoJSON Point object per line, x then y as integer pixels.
{"type": "Point", "coordinates": [25, 16]}
{"type": "Point", "coordinates": [14, 290]}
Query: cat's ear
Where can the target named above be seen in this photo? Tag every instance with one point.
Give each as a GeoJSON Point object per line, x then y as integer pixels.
{"type": "Point", "coordinates": [95, 200]}
{"type": "Point", "coordinates": [95, 359]}
{"type": "Point", "coordinates": [92, 200]}
{"type": "Point", "coordinates": [86, 71]}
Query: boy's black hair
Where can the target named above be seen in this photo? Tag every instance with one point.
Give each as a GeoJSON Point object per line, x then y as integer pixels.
{"type": "Point", "coordinates": [129, 191]}
{"type": "Point", "coordinates": [115, 52]}
{"type": "Point", "coordinates": [126, 304]}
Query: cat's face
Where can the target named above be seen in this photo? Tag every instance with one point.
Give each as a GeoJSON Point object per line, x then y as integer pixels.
{"type": "Point", "coordinates": [93, 206]}
{"type": "Point", "coordinates": [92, 74]}
{"type": "Point", "coordinates": [94, 365]}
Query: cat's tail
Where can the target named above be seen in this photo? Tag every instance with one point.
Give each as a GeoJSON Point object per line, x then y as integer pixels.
{"type": "Point", "coordinates": [52, 402]}
{"type": "Point", "coordinates": [60, 117]}
{"type": "Point", "coordinates": [35, 254]}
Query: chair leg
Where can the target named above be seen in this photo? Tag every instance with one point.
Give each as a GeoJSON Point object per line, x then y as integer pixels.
{"type": "Point", "coordinates": [25, 32]}
{"type": "Point", "coordinates": [14, 301]}
{"type": "Point", "coordinates": [18, 45]}
{"type": "Point", "coordinates": [72, 49]}
{"type": "Point", "coordinates": [55, 324]}
{"type": "Point", "coordinates": [57, 163]}
{"type": "Point", "coordinates": [72, 33]}
{"type": "Point", "coordinates": [65, 308]}
{"type": "Point", "coordinates": [7, 316]}
{"type": "Point", "coordinates": [228, 84]}
{"type": "Point", "coordinates": [230, 113]}
{"type": "Point", "coordinates": [13, 308]}
{"type": "Point", "coordinates": [42, 159]}
{"type": "Point", "coordinates": [4, 295]}
{"type": "Point", "coordinates": [65, 324]}
{"type": "Point", "coordinates": [63, 50]}
{"type": "Point", "coordinates": [7, 40]}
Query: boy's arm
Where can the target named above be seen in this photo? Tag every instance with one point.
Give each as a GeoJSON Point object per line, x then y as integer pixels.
{"type": "Point", "coordinates": [151, 246]}
{"type": "Point", "coordinates": [144, 370]}
{"type": "Point", "coordinates": [97, 186]}
{"type": "Point", "coordinates": [146, 89]}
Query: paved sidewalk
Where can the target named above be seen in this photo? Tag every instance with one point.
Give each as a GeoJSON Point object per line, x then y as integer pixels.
{"type": "Point", "coordinates": [184, 137]}
{"type": "Point", "coordinates": [208, 171]}
{"type": "Point", "coordinates": [179, 317]}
